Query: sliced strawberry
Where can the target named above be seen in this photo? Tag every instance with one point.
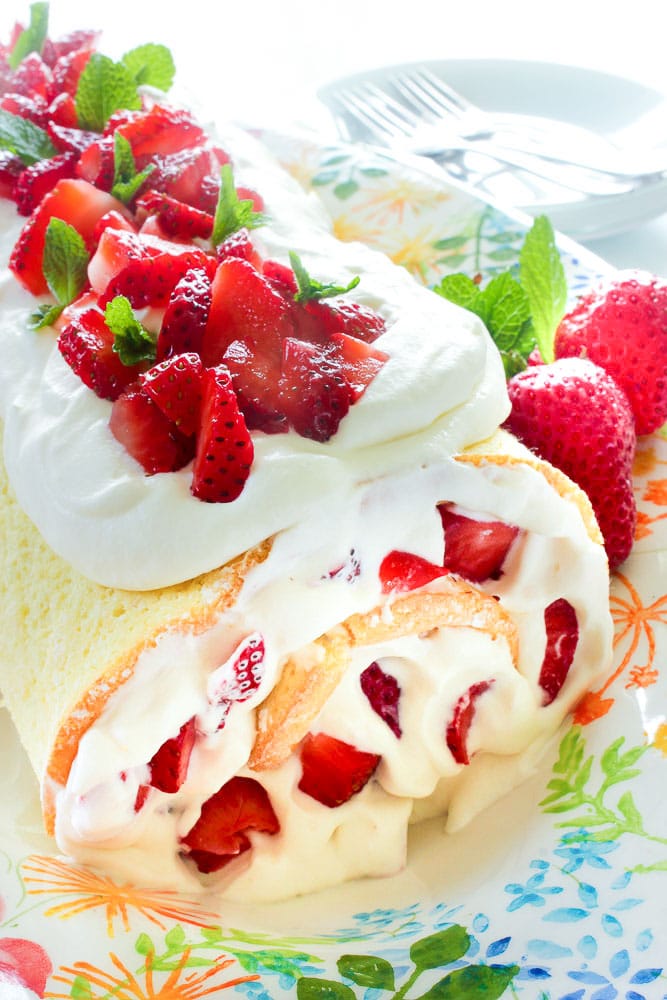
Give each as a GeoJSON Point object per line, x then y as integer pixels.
{"type": "Point", "coordinates": [73, 41]}
{"type": "Point", "coordinates": [224, 446]}
{"type": "Point", "coordinates": [147, 435]}
{"type": "Point", "coordinates": [62, 112]}
{"type": "Point", "coordinates": [67, 71]}
{"type": "Point", "coordinates": [39, 178]}
{"type": "Point", "coordinates": [96, 163]}
{"type": "Point", "coordinates": [169, 765]}
{"type": "Point", "coordinates": [184, 176]}
{"type": "Point", "coordinates": [159, 131]}
{"type": "Point", "coordinates": [112, 220]}
{"type": "Point", "coordinates": [175, 385]}
{"type": "Point", "coordinates": [244, 307]}
{"type": "Point", "coordinates": [475, 550]}
{"type": "Point", "coordinates": [221, 832]}
{"type": "Point", "coordinates": [34, 109]}
{"type": "Point", "coordinates": [11, 168]}
{"type": "Point", "coordinates": [280, 275]}
{"type": "Point", "coordinates": [186, 315]}
{"type": "Point", "coordinates": [68, 139]}
{"type": "Point", "coordinates": [240, 676]}
{"type": "Point", "coordinates": [343, 316]}
{"type": "Point", "coordinates": [383, 692]}
{"type": "Point", "coordinates": [74, 201]}
{"type": "Point", "coordinates": [461, 721]}
{"type": "Point", "coordinates": [86, 343]}
{"type": "Point", "coordinates": [560, 620]}
{"type": "Point", "coordinates": [117, 247]}
{"type": "Point", "coordinates": [256, 378]}
{"type": "Point", "coordinates": [176, 218]}
{"type": "Point", "coordinates": [32, 77]}
{"type": "Point", "coordinates": [150, 280]}
{"type": "Point", "coordinates": [239, 244]}
{"type": "Point", "coordinates": [333, 771]}
{"type": "Point", "coordinates": [400, 571]}
{"type": "Point", "coordinates": [360, 362]}
{"type": "Point", "coordinates": [314, 393]}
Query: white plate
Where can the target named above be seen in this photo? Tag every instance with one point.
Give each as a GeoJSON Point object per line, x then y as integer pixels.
{"type": "Point", "coordinates": [542, 900]}
{"type": "Point", "coordinates": [623, 116]}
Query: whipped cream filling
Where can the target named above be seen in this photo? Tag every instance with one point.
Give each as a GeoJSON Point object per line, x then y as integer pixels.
{"type": "Point", "coordinates": [291, 599]}
{"type": "Point", "coordinates": [442, 388]}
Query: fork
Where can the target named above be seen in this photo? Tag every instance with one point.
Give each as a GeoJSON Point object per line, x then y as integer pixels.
{"type": "Point", "coordinates": [433, 127]}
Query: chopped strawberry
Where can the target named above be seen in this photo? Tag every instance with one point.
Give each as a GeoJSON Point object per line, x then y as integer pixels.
{"type": "Point", "coordinates": [32, 77]}
{"type": "Point", "coordinates": [62, 111]}
{"type": "Point", "coordinates": [224, 446]}
{"type": "Point", "coordinates": [186, 314]}
{"type": "Point", "coordinates": [74, 201]}
{"type": "Point", "coordinates": [280, 275]}
{"type": "Point", "coordinates": [315, 394]}
{"type": "Point", "coordinates": [147, 435]}
{"type": "Point", "coordinates": [112, 220]}
{"type": "Point", "coordinates": [475, 550]}
{"type": "Point", "coordinates": [184, 176]}
{"type": "Point", "coordinates": [73, 41]}
{"type": "Point", "coordinates": [351, 318]}
{"type": "Point", "coordinates": [159, 131]}
{"type": "Point", "coordinates": [239, 244]}
{"type": "Point", "coordinates": [11, 168]}
{"type": "Point", "coordinates": [360, 362]}
{"type": "Point", "coordinates": [67, 71]}
{"type": "Point", "coordinates": [117, 247]}
{"type": "Point", "coordinates": [401, 571]}
{"type": "Point", "coordinates": [68, 139]}
{"type": "Point", "coordinates": [175, 385]}
{"type": "Point", "coordinates": [334, 771]}
{"type": "Point", "coordinates": [244, 307]}
{"type": "Point", "coordinates": [221, 832]}
{"type": "Point", "coordinates": [240, 676]}
{"type": "Point", "coordinates": [96, 163]}
{"type": "Point", "coordinates": [383, 692]}
{"type": "Point", "coordinates": [150, 280]}
{"type": "Point", "coordinates": [176, 218]}
{"type": "Point", "coordinates": [461, 721]}
{"type": "Point", "coordinates": [169, 765]}
{"type": "Point", "coordinates": [86, 343]}
{"type": "Point", "coordinates": [562, 628]}
{"type": "Point", "coordinates": [39, 178]}
{"type": "Point", "coordinates": [249, 194]}
{"type": "Point", "coordinates": [34, 109]}
{"type": "Point", "coordinates": [256, 378]}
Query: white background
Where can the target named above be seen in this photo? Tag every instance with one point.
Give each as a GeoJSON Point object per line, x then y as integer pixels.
{"type": "Point", "coordinates": [264, 59]}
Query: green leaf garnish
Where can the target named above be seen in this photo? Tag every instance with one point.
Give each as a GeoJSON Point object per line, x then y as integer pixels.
{"type": "Point", "coordinates": [104, 87]}
{"type": "Point", "coordinates": [126, 180]}
{"type": "Point", "coordinates": [24, 139]}
{"type": "Point", "coordinates": [33, 37]}
{"type": "Point", "coordinates": [151, 65]}
{"type": "Point", "coordinates": [232, 213]}
{"type": "Point", "coordinates": [65, 266]}
{"type": "Point", "coordinates": [45, 315]}
{"type": "Point", "coordinates": [543, 278]}
{"type": "Point", "coordinates": [310, 288]}
{"type": "Point", "coordinates": [132, 342]}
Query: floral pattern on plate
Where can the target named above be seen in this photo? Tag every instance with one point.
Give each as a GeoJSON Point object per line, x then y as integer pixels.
{"type": "Point", "coordinates": [555, 893]}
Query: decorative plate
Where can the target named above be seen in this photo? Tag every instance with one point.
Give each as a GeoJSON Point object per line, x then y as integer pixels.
{"type": "Point", "coordinates": [557, 892]}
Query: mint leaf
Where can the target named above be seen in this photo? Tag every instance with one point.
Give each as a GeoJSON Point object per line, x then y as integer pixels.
{"type": "Point", "coordinates": [132, 342]}
{"type": "Point", "coordinates": [104, 87]}
{"type": "Point", "coordinates": [543, 278]}
{"type": "Point", "coordinates": [310, 288]}
{"type": "Point", "coordinates": [24, 139]}
{"type": "Point", "coordinates": [33, 37]}
{"type": "Point", "coordinates": [232, 213]}
{"type": "Point", "coordinates": [126, 180]}
{"type": "Point", "coordinates": [65, 261]}
{"type": "Point", "coordinates": [151, 65]}
{"type": "Point", "coordinates": [45, 315]}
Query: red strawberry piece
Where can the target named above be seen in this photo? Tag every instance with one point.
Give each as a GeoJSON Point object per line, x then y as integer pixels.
{"type": "Point", "coordinates": [11, 168]}
{"type": "Point", "coordinates": [32, 77]}
{"type": "Point", "coordinates": [221, 832]}
{"type": "Point", "coordinates": [343, 316]}
{"type": "Point", "coordinates": [224, 446]}
{"type": "Point", "coordinates": [150, 280]}
{"type": "Point", "coordinates": [86, 343]}
{"type": "Point", "coordinates": [176, 218]}
{"type": "Point", "coordinates": [333, 771]}
{"type": "Point", "coordinates": [383, 692]}
{"type": "Point", "coordinates": [360, 362]}
{"type": "Point", "coordinates": [146, 434]}
{"type": "Point", "coordinates": [281, 275]}
{"type": "Point", "coordinates": [400, 571]}
{"type": "Point", "coordinates": [475, 550]}
{"type": "Point", "coordinates": [169, 765]}
{"type": "Point", "coordinates": [186, 314]}
{"type": "Point", "coordinates": [74, 201]}
{"type": "Point", "coordinates": [315, 394]}
{"type": "Point", "coordinates": [249, 194]}
{"type": "Point", "coordinates": [240, 676]}
{"type": "Point", "coordinates": [143, 791]}
{"type": "Point", "coordinates": [39, 178]}
{"type": "Point", "coordinates": [183, 176]}
{"type": "Point", "coordinates": [62, 111]}
{"type": "Point", "coordinates": [96, 163]}
{"type": "Point", "coordinates": [574, 415]}
{"type": "Point", "coordinates": [34, 109]}
{"type": "Point", "coordinates": [67, 71]}
{"type": "Point", "coordinates": [256, 378]}
{"type": "Point", "coordinates": [459, 726]}
{"type": "Point", "coordinates": [244, 307]}
{"type": "Point", "coordinates": [239, 244]}
{"type": "Point", "coordinates": [622, 326]}
{"type": "Point", "coordinates": [562, 628]}
{"type": "Point", "coordinates": [159, 131]}
{"type": "Point", "coordinates": [70, 140]}
{"type": "Point", "coordinates": [112, 220]}
{"type": "Point", "coordinates": [81, 38]}
{"type": "Point", "coordinates": [175, 386]}
{"type": "Point", "coordinates": [116, 248]}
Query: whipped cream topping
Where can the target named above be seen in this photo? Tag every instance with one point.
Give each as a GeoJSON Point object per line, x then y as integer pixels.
{"type": "Point", "coordinates": [442, 388]}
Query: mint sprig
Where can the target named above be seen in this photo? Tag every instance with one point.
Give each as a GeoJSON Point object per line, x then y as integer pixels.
{"type": "Point", "coordinates": [132, 342]}
{"type": "Point", "coordinates": [24, 139]}
{"type": "Point", "coordinates": [520, 309]}
{"type": "Point", "coordinates": [151, 65]}
{"type": "Point", "coordinates": [232, 213]}
{"type": "Point", "coordinates": [65, 266]}
{"type": "Point", "coordinates": [104, 86]}
{"type": "Point", "coordinates": [126, 179]}
{"type": "Point", "coordinates": [33, 37]}
{"type": "Point", "coordinates": [309, 288]}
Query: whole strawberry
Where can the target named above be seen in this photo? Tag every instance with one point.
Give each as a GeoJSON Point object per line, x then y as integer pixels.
{"type": "Point", "coordinates": [622, 326]}
{"type": "Point", "coordinates": [574, 415]}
